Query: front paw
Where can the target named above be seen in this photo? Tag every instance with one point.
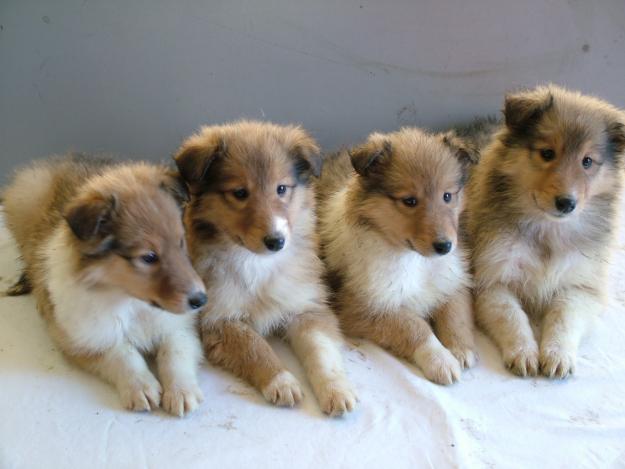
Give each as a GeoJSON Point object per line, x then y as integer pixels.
{"type": "Point", "coordinates": [142, 393]}
{"type": "Point", "coordinates": [466, 356]}
{"type": "Point", "coordinates": [557, 362]}
{"type": "Point", "coordinates": [283, 390]}
{"type": "Point", "coordinates": [336, 398]}
{"type": "Point", "coordinates": [439, 365]}
{"type": "Point", "coordinates": [181, 398]}
{"type": "Point", "coordinates": [522, 362]}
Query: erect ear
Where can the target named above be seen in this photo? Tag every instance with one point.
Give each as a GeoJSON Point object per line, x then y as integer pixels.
{"type": "Point", "coordinates": [197, 154]}
{"type": "Point", "coordinates": [305, 153]}
{"type": "Point", "coordinates": [90, 217]}
{"type": "Point", "coordinates": [465, 152]}
{"type": "Point", "coordinates": [523, 110]}
{"type": "Point", "coordinates": [176, 186]}
{"type": "Point", "coordinates": [616, 137]}
{"type": "Point", "coordinates": [371, 156]}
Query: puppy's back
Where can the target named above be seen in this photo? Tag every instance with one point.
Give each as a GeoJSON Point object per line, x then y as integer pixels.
{"type": "Point", "coordinates": [35, 199]}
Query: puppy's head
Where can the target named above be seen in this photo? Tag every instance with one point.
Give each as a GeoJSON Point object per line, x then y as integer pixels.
{"type": "Point", "coordinates": [563, 148]}
{"type": "Point", "coordinates": [127, 227]}
{"type": "Point", "coordinates": [249, 183]}
{"type": "Point", "coordinates": [410, 188]}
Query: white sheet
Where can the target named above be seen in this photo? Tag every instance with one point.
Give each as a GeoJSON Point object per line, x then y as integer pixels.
{"type": "Point", "coordinates": [55, 416]}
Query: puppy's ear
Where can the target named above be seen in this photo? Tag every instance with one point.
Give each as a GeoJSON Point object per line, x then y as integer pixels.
{"type": "Point", "coordinates": [90, 219]}
{"type": "Point", "coordinates": [465, 152]}
{"type": "Point", "coordinates": [616, 137]}
{"type": "Point", "coordinates": [523, 110]}
{"type": "Point", "coordinates": [305, 153]}
{"type": "Point", "coordinates": [370, 157]}
{"type": "Point", "coordinates": [197, 154]}
{"type": "Point", "coordinates": [175, 185]}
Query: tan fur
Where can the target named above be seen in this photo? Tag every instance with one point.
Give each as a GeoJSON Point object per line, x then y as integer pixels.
{"type": "Point", "coordinates": [257, 292]}
{"type": "Point", "coordinates": [82, 226]}
{"type": "Point", "coordinates": [530, 257]}
{"type": "Point", "coordinates": [387, 278]}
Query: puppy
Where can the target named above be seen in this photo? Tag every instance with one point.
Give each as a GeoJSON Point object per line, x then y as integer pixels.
{"type": "Point", "coordinates": [388, 225]}
{"type": "Point", "coordinates": [542, 214]}
{"type": "Point", "coordinates": [251, 234]}
{"type": "Point", "coordinates": [105, 253]}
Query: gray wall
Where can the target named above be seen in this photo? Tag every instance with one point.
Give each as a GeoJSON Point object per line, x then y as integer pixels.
{"type": "Point", "coordinates": [135, 77]}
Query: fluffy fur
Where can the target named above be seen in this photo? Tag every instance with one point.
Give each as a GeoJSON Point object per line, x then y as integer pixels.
{"type": "Point", "coordinates": [251, 233]}
{"type": "Point", "coordinates": [104, 252]}
{"type": "Point", "coordinates": [532, 254]}
{"type": "Point", "coordinates": [382, 214]}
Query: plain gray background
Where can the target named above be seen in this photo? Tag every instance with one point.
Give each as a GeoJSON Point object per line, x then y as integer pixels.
{"type": "Point", "coordinates": [135, 77]}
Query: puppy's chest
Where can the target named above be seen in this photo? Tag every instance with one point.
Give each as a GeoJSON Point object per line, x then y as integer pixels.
{"type": "Point", "coordinates": [99, 320]}
{"type": "Point", "coordinates": [408, 281]}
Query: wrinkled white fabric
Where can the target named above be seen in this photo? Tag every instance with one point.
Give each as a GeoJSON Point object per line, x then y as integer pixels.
{"type": "Point", "coordinates": [53, 415]}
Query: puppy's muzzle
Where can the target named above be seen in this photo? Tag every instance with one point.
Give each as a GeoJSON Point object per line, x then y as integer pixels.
{"type": "Point", "coordinates": [274, 242]}
{"type": "Point", "coordinates": [565, 203]}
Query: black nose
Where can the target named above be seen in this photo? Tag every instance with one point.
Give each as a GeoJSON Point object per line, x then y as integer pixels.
{"type": "Point", "coordinates": [442, 247]}
{"type": "Point", "coordinates": [197, 300]}
{"type": "Point", "coordinates": [274, 243]}
{"type": "Point", "coordinates": [565, 203]}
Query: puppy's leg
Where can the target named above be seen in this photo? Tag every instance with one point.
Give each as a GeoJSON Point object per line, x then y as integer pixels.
{"type": "Point", "coordinates": [563, 327]}
{"type": "Point", "coordinates": [177, 360]}
{"type": "Point", "coordinates": [237, 347]}
{"type": "Point", "coordinates": [500, 314]}
{"type": "Point", "coordinates": [125, 367]}
{"type": "Point", "coordinates": [407, 336]}
{"type": "Point", "coordinates": [316, 340]}
{"type": "Point", "coordinates": [453, 324]}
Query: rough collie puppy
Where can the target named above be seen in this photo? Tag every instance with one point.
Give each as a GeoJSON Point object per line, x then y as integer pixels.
{"type": "Point", "coordinates": [388, 224]}
{"type": "Point", "coordinates": [541, 215]}
{"type": "Point", "coordinates": [105, 254]}
{"type": "Point", "coordinates": [251, 234]}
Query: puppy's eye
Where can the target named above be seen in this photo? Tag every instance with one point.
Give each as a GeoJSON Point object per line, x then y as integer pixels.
{"type": "Point", "coordinates": [281, 189]}
{"type": "Point", "coordinates": [150, 258]}
{"type": "Point", "coordinates": [587, 162]}
{"type": "Point", "coordinates": [409, 201]}
{"type": "Point", "coordinates": [241, 194]}
{"type": "Point", "coordinates": [447, 197]}
{"type": "Point", "coordinates": [547, 154]}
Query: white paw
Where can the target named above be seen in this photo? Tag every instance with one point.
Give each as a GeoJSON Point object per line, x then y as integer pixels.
{"type": "Point", "coordinates": [142, 393]}
{"type": "Point", "coordinates": [522, 362]}
{"type": "Point", "coordinates": [283, 390]}
{"type": "Point", "coordinates": [557, 362]}
{"type": "Point", "coordinates": [465, 356]}
{"type": "Point", "coordinates": [438, 365]}
{"type": "Point", "coordinates": [181, 398]}
{"type": "Point", "coordinates": [336, 398]}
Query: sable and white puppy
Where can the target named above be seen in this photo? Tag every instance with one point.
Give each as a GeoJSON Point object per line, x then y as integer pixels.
{"type": "Point", "coordinates": [105, 254]}
{"type": "Point", "coordinates": [389, 236]}
{"type": "Point", "coordinates": [251, 234]}
{"type": "Point", "coordinates": [542, 213]}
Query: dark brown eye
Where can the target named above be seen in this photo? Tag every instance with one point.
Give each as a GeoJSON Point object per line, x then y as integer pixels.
{"type": "Point", "coordinates": [150, 258]}
{"type": "Point", "coordinates": [241, 194]}
{"type": "Point", "coordinates": [447, 197]}
{"type": "Point", "coordinates": [409, 201]}
{"type": "Point", "coordinates": [281, 189]}
{"type": "Point", "coordinates": [547, 154]}
{"type": "Point", "coordinates": [587, 162]}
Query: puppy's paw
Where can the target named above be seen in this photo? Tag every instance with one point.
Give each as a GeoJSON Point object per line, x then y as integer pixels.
{"type": "Point", "coordinates": [523, 362]}
{"type": "Point", "coordinates": [439, 365]}
{"type": "Point", "coordinates": [336, 398]}
{"type": "Point", "coordinates": [181, 398]}
{"type": "Point", "coordinates": [283, 390]}
{"type": "Point", "coordinates": [557, 362]}
{"type": "Point", "coordinates": [466, 356]}
{"type": "Point", "coordinates": [143, 393]}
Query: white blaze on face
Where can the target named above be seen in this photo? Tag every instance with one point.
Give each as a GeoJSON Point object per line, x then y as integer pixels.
{"type": "Point", "coordinates": [280, 226]}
